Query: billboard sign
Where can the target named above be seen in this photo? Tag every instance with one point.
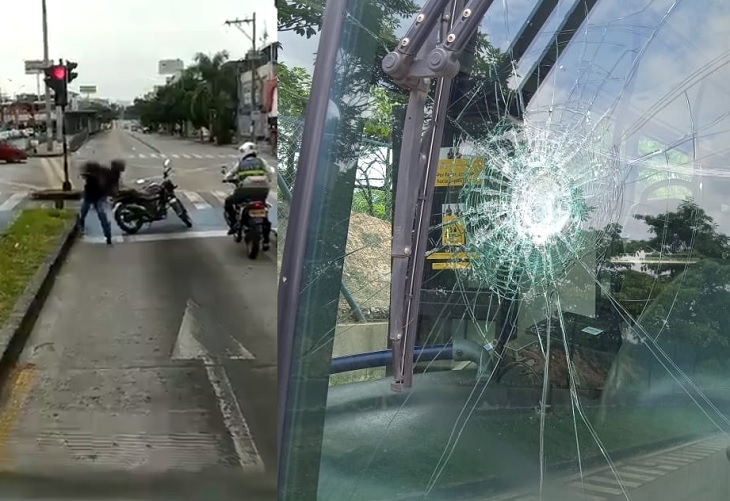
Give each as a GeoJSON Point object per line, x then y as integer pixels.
{"type": "Point", "coordinates": [87, 89]}
{"type": "Point", "coordinates": [170, 66]}
{"type": "Point", "coordinates": [34, 67]}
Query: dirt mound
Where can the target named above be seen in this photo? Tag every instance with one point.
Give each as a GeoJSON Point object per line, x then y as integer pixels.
{"type": "Point", "coordinates": [367, 265]}
{"type": "Point", "coordinates": [366, 271]}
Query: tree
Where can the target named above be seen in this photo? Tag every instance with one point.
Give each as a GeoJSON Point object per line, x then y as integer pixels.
{"type": "Point", "coordinates": [204, 95]}
{"type": "Point", "coordinates": [294, 87]}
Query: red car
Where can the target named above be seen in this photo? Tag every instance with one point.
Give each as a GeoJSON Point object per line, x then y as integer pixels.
{"type": "Point", "coordinates": [11, 154]}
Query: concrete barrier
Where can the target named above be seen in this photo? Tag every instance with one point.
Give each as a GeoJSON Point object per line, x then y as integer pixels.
{"type": "Point", "coordinates": [352, 339]}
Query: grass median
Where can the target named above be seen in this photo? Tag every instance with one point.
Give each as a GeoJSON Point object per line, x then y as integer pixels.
{"type": "Point", "coordinates": [24, 247]}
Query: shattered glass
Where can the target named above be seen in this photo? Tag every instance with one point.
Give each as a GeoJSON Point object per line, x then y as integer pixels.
{"type": "Point", "coordinates": [572, 339]}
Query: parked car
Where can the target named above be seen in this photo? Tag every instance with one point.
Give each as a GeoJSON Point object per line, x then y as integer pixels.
{"type": "Point", "coordinates": [11, 154]}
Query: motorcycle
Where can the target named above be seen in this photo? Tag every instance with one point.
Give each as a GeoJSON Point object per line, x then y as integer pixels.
{"type": "Point", "coordinates": [135, 207]}
{"type": "Point", "coordinates": [251, 217]}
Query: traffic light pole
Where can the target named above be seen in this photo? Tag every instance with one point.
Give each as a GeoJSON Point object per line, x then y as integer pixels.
{"type": "Point", "coordinates": [46, 62]}
{"type": "Point", "coordinates": [66, 182]}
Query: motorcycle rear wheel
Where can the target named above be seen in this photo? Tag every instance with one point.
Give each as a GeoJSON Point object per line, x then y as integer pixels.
{"type": "Point", "coordinates": [253, 243]}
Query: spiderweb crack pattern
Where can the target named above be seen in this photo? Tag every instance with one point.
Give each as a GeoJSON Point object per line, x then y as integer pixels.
{"type": "Point", "coordinates": [535, 195]}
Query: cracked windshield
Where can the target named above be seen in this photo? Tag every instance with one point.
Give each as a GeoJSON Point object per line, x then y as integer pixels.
{"type": "Point", "coordinates": [138, 165]}
{"type": "Point", "coordinates": [506, 273]}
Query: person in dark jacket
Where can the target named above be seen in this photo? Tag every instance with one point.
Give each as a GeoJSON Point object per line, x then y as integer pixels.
{"type": "Point", "coordinates": [117, 169]}
{"type": "Point", "coordinates": [96, 191]}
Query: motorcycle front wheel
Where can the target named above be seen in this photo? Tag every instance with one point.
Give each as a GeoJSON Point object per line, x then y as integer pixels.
{"type": "Point", "coordinates": [182, 213]}
{"type": "Point", "coordinates": [127, 219]}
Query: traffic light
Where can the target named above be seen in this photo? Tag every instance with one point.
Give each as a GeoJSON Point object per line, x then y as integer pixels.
{"type": "Point", "coordinates": [70, 73]}
{"type": "Point", "coordinates": [55, 79]}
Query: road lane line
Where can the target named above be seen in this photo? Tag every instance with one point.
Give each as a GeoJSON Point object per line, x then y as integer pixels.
{"type": "Point", "coordinates": [235, 423]}
{"type": "Point", "coordinates": [197, 156]}
{"type": "Point", "coordinates": [22, 380]}
{"type": "Point", "coordinates": [185, 155]}
{"type": "Point", "coordinates": [195, 198]}
{"type": "Point", "coordinates": [175, 155]}
{"type": "Point", "coordinates": [209, 156]}
{"type": "Point", "coordinates": [13, 201]}
{"type": "Point", "coordinates": [141, 156]}
{"type": "Point", "coordinates": [158, 237]}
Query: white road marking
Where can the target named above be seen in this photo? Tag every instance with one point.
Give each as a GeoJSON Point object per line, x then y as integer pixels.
{"type": "Point", "coordinates": [185, 155]}
{"type": "Point", "coordinates": [13, 201]}
{"type": "Point", "coordinates": [197, 156]}
{"type": "Point", "coordinates": [233, 418]}
{"type": "Point", "coordinates": [596, 488]}
{"type": "Point", "coordinates": [209, 156]}
{"type": "Point", "coordinates": [636, 476]}
{"type": "Point", "coordinates": [157, 237]}
{"type": "Point", "coordinates": [153, 155]}
{"type": "Point", "coordinates": [647, 470]}
{"type": "Point", "coordinates": [613, 481]}
{"type": "Point", "coordinates": [175, 155]}
{"type": "Point", "coordinates": [220, 196]}
{"type": "Point", "coordinates": [141, 156]}
{"type": "Point", "coordinates": [195, 198]}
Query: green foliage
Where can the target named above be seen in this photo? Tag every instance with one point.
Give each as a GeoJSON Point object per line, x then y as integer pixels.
{"type": "Point", "coordinates": [294, 87]}
{"type": "Point", "coordinates": [204, 95]}
{"type": "Point", "coordinates": [687, 229]}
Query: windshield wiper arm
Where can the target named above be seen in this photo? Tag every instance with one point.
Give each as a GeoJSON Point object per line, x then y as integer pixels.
{"type": "Point", "coordinates": [418, 58]}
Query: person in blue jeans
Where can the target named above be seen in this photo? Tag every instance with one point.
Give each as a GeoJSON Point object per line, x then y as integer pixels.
{"type": "Point", "coordinates": [95, 195]}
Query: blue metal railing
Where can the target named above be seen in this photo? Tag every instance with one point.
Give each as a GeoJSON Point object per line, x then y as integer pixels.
{"type": "Point", "coordinates": [385, 358]}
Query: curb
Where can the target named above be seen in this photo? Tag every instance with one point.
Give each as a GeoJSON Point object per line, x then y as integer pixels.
{"type": "Point", "coordinates": [15, 331]}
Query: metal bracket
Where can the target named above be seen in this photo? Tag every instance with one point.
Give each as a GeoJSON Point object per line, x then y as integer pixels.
{"type": "Point", "coordinates": [418, 58]}
{"type": "Point", "coordinates": [439, 60]}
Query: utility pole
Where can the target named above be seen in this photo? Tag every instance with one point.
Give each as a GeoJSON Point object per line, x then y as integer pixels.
{"type": "Point", "coordinates": [47, 63]}
{"type": "Point", "coordinates": [237, 23]}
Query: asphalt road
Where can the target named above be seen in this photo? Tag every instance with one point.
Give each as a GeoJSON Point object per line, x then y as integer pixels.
{"type": "Point", "coordinates": [154, 355]}
{"type": "Point", "coordinates": [196, 170]}
{"type": "Point", "coordinates": [696, 470]}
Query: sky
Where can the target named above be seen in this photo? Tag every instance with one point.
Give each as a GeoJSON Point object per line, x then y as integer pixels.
{"type": "Point", "coordinates": [119, 43]}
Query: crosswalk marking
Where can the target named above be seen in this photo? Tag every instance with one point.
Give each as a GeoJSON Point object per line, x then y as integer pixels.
{"type": "Point", "coordinates": [636, 476]}
{"type": "Point", "coordinates": [220, 195]}
{"type": "Point", "coordinates": [13, 201]}
{"type": "Point", "coordinates": [198, 201]}
{"type": "Point", "coordinates": [188, 156]}
{"type": "Point", "coordinates": [596, 488]}
{"type": "Point", "coordinates": [613, 481]}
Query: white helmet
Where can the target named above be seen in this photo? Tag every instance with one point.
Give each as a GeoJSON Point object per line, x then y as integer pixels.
{"type": "Point", "coordinates": [247, 149]}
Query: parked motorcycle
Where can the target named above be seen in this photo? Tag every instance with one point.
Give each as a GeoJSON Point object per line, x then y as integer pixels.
{"type": "Point", "coordinates": [251, 218]}
{"type": "Point", "coordinates": [135, 207]}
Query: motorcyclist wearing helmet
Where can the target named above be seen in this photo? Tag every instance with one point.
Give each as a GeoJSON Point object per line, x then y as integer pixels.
{"type": "Point", "coordinates": [252, 183]}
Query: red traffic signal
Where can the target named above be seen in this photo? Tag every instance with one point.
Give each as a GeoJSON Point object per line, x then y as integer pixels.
{"type": "Point", "coordinates": [58, 73]}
